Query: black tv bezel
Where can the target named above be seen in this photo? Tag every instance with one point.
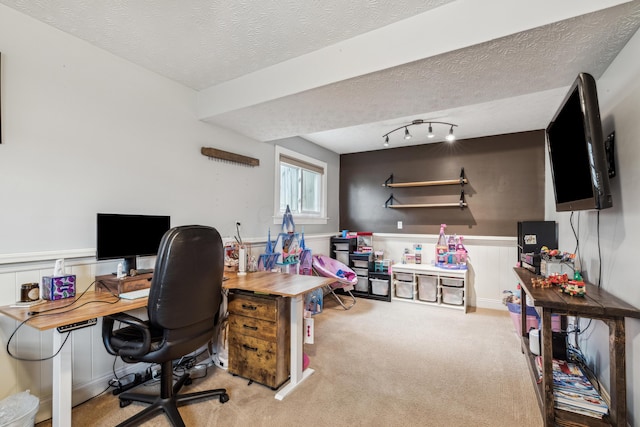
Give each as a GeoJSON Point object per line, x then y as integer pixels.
{"type": "Point", "coordinates": [128, 256]}
{"type": "Point", "coordinates": [585, 86]}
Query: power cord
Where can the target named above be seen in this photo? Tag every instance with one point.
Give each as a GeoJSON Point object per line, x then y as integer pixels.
{"type": "Point", "coordinates": [46, 313]}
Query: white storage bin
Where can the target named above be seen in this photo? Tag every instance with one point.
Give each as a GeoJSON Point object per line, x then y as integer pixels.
{"type": "Point", "coordinates": [405, 277]}
{"type": "Point", "coordinates": [362, 285]}
{"type": "Point", "coordinates": [427, 288]}
{"type": "Point", "coordinates": [343, 257]}
{"type": "Point", "coordinates": [452, 281]}
{"type": "Point", "coordinates": [361, 271]}
{"type": "Point", "coordinates": [452, 296]}
{"type": "Point", "coordinates": [361, 263]}
{"type": "Point", "coordinates": [404, 289]}
{"type": "Point", "coordinates": [379, 287]}
{"type": "Point", "coordinates": [341, 246]}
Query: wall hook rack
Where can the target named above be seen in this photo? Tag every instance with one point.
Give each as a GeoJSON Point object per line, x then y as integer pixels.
{"type": "Point", "coordinates": [226, 156]}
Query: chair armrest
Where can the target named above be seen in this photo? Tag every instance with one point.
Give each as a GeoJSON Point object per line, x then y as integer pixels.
{"type": "Point", "coordinates": [142, 337]}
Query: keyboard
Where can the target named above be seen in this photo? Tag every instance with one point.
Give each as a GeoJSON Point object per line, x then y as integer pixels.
{"type": "Point", "coordinates": [140, 293]}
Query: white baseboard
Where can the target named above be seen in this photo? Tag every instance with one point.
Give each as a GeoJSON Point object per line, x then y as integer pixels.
{"type": "Point", "coordinates": [491, 304]}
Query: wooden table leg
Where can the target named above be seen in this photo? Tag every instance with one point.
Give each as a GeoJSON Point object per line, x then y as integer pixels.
{"type": "Point", "coordinates": [618, 407]}
{"type": "Point", "coordinates": [547, 369]}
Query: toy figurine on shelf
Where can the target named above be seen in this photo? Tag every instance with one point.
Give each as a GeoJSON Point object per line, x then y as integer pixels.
{"type": "Point", "coordinates": [267, 260]}
{"type": "Point", "coordinates": [305, 258]}
{"type": "Point", "coordinates": [575, 288]}
{"type": "Point", "coordinates": [288, 226]}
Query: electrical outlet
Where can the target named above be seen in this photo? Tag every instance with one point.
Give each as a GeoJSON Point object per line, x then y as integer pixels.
{"type": "Point", "coordinates": [399, 225]}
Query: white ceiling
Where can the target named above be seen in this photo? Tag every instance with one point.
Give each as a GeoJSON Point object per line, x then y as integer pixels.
{"type": "Point", "coordinates": [343, 73]}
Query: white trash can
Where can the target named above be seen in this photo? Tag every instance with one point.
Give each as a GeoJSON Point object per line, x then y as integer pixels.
{"type": "Point", "coordinates": [19, 410]}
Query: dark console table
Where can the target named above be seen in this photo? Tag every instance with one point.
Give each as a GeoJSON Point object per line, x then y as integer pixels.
{"type": "Point", "coordinates": [597, 304]}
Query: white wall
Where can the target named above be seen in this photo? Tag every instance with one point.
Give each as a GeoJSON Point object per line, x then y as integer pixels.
{"type": "Point", "coordinates": [619, 97]}
{"type": "Point", "coordinates": [84, 132]}
{"type": "Point", "coordinates": [87, 132]}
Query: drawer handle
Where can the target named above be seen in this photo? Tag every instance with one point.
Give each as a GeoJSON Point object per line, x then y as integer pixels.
{"type": "Point", "coordinates": [248, 347]}
{"type": "Point", "coordinates": [253, 328]}
{"type": "Point", "coordinates": [249, 307]}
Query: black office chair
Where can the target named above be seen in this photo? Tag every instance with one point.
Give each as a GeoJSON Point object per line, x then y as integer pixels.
{"type": "Point", "coordinates": [184, 299]}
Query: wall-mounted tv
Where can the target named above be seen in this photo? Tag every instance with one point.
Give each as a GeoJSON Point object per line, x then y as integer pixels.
{"type": "Point", "coordinates": [129, 236]}
{"type": "Point", "coordinates": [578, 158]}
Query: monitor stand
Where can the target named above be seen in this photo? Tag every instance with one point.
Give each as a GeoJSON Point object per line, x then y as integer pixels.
{"type": "Point", "coordinates": [128, 265]}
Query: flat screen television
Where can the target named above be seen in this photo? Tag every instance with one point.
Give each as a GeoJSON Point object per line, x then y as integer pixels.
{"type": "Point", "coordinates": [129, 236]}
{"type": "Point", "coordinates": [578, 158]}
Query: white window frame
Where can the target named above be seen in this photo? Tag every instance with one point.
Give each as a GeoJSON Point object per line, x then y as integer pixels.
{"type": "Point", "coordinates": [297, 217]}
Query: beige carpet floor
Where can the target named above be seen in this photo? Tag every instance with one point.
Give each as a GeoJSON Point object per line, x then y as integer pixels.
{"type": "Point", "coordinates": [378, 364]}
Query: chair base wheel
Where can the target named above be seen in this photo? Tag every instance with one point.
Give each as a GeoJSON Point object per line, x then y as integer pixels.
{"type": "Point", "coordinates": [224, 398]}
{"type": "Point", "coordinates": [124, 403]}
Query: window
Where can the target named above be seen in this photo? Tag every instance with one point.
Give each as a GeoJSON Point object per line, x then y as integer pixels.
{"type": "Point", "coordinates": [301, 183]}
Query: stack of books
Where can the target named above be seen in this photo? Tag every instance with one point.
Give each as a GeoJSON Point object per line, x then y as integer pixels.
{"type": "Point", "coordinates": [573, 391]}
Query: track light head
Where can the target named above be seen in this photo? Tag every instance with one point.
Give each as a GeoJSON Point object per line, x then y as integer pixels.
{"type": "Point", "coordinates": [430, 134]}
{"type": "Point", "coordinates": [451, 137]}
{"type": "Point", "coordinates": [407, 135]}
{"type": "Point", "coordinates": [386, 141]}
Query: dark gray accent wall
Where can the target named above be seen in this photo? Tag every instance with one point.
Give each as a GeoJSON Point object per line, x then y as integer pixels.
{"type": "Point", "coordinates": [506, 185]}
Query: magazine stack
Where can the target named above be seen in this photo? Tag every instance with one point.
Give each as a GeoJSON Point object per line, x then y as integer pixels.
{"type": "Point", "coordinates": [573, 391]}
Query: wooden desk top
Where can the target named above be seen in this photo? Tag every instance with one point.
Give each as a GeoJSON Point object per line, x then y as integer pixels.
{"type": "Point", "coordinates": [98, 304]}
{"type": "Point", "coordinates": [288, 285]}
{"type": "Point", "coordinates": [91, 304]}
{"type": "Point", "coordinates": [597, 302]}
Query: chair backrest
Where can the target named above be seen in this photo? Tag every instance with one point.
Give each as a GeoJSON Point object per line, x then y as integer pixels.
{"type": "Point", "coordinates": [186, 289]}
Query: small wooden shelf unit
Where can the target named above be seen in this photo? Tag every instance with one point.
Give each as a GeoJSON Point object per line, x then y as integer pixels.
{"type": "Point", "coordinates": [597, 304]}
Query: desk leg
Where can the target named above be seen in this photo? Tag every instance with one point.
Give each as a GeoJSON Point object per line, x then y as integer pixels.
{"type": "Point", "coordinates": [62, 381]}
{"type": "Point", "coordinates": [297, 333]}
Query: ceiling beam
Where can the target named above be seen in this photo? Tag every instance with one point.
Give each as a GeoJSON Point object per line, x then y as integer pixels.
{"type": "Point", "coordinates": [444, 29]}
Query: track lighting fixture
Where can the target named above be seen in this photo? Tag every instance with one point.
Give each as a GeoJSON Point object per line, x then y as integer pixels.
{"type": "Point", "coordinates": [450, 137]}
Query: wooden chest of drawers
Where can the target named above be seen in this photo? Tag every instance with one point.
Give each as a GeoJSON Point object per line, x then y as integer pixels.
{"type": "Point", "coordinates": [259, 337]}
{"type": "Point", "coordinates": [111, 283]}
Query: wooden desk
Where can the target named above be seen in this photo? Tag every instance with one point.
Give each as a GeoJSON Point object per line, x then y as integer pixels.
{"type": "Point", "coordinates": [288, 285]}
{"type": "Point", "coordinates": [88, 306]}
{"type": "Point", "coordinates": [597, 304]}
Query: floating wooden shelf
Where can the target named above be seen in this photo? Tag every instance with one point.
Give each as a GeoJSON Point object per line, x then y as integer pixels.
{"type": "Point", "coordinates": [461, 181]}
{"type": "Point", "coordinates": [461, 203]}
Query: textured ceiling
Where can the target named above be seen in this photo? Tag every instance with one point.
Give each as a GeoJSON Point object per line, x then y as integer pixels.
{"type": "Point", "coordinates": [508, 81]}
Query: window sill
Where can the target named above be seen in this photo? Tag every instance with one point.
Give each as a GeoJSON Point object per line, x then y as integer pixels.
{"type": "Point", "coordinates": [302, 220]}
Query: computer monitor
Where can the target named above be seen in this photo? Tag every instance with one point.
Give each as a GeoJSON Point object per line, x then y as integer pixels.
{"type": "Point", "coordinates": [129, 236]}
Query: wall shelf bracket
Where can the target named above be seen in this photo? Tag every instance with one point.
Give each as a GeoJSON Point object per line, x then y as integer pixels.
{"type": "Point", "coordinates": [389, 201]}
{"type": "Point", "coordinates": [462, 201]}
